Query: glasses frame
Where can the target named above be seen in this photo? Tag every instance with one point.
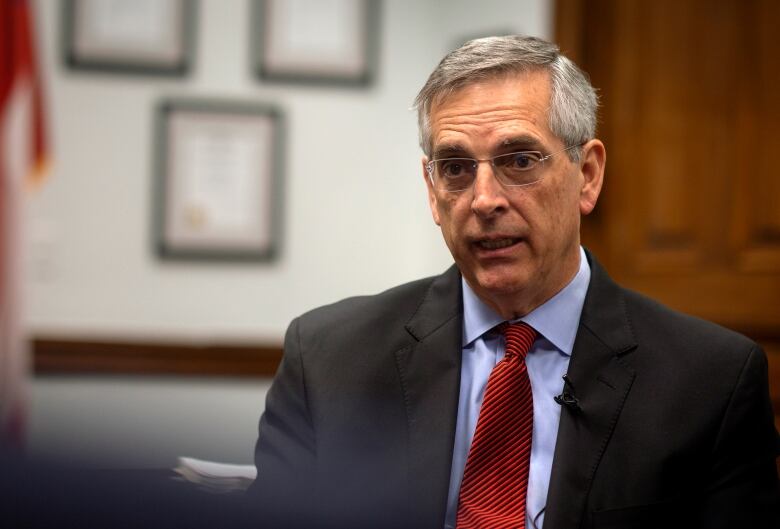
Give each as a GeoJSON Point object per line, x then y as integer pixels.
{"type": "Point", "coordinates": [431, 164]}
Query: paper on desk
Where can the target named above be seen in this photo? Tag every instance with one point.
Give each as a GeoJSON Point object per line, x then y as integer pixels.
{"type": "Point", "coordinates": [214, 476]}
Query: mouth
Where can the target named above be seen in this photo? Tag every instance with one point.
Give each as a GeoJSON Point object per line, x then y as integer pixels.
{"type": "Point", "coordinates": [497, 244]}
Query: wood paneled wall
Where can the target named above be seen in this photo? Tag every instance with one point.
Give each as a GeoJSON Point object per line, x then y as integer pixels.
{"type": "Point", "coordinates": [690, 213]}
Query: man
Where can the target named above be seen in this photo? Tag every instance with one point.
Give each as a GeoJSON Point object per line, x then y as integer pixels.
{"type": "Point", "coordinates": [443, 402]}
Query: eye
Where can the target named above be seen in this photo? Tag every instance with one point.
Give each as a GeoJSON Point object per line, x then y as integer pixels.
{"type": "Point", "coordinates": [522, 161]}
{"type": "Point", "coordinates": [453, 168]}
{"type": "Point", "coordinates": [519, 161]}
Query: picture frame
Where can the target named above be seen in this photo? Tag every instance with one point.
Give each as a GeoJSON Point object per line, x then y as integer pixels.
{"type": "Point", "coordinates": [154, 37]}
{"type": "Point", "coordinates": [325, 42]}
{"type": "Point", "coordinates": [218, 180]}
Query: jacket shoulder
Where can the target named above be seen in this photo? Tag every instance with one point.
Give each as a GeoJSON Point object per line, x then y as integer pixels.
{"type": "Point", "coordinates": [650, 318]}
{"type": "Point", "coordinates": [353, 320]}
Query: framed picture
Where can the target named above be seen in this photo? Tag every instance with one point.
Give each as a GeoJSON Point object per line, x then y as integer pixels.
{"type": "Point", "coordinates": [218, 180]}
{"type": "Point", "coordinates": [315, 41]}
{"type": "Point", "coordinates": [134, 36]}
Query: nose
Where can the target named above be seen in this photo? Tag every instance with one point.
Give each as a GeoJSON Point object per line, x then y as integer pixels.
{"type": "Point", "coordinates": [489, 197]}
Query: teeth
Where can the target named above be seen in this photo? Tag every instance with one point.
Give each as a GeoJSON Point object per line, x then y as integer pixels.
{"type": "Point", "coordinates": [496, 244]}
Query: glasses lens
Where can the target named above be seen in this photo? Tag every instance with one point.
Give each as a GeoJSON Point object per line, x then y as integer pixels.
{"type": "Point", "coordinates": [454, 174]}
{"type": "Point", "coordinates": [518, 168]}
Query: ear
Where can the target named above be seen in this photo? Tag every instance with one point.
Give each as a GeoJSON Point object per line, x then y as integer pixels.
{"type": "Point", "coordinates": [592, 161]}
{"type": "Point", "coordinates": [432, 201]}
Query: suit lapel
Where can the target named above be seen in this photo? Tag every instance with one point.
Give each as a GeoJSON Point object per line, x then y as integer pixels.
{"type": "Point", "coordinates": [429, 370]}
{"type": "Point", "coordinates": [601, 383]}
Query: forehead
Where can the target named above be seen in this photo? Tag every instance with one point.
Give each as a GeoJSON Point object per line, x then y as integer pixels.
{"type": "Point", "coordinates": [496, 110]}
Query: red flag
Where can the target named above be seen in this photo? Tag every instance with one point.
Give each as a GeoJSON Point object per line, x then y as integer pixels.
{"type": "Point", "coordinates": [23, 161]}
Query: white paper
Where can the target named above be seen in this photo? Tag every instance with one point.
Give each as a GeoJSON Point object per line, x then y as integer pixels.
{"type": "Point", "coordinates": [220, 171]}
{"type": "Point", "coordinates": [218, 470]}
{"type": "Point", "coordinates": [311, 36]}
{"type": "Point", "coordinates": [132, 20]}
{"type": "Point", "coordinates": [317, 26]}
{"type": "Point", "coordinates": [137, 28]}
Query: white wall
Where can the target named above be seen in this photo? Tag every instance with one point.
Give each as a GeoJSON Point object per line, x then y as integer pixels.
{"type": "Point", "coordinates": [355, 221]}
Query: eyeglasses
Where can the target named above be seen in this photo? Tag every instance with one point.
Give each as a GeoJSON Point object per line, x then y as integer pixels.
{"type": "Point", "coordinates": [514, 169]}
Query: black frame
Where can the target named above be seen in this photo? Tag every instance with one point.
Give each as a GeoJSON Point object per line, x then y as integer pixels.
{"type": "Point", "coordinates": [371, 32]}
{"type": "Point", "coordinates": [182, 67]}
{"type": "Point", "coordinates": [165, 249]}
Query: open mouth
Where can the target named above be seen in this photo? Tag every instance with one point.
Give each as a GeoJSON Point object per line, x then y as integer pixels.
{"type": "Point", "coordinates": [497, 244]}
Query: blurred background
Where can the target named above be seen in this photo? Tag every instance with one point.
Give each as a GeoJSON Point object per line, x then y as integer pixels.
{"type": "Point", "coordinates": [136, 358]}
{"type": "Point", "coordinates": [98, 297]}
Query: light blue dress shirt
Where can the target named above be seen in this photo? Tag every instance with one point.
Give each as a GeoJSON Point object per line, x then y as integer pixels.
{"type": "Point", "coordinates": [556, 321]}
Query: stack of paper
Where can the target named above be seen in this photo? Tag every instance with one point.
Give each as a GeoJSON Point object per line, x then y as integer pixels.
{"type": "Point", "coordinates": [216, 477]}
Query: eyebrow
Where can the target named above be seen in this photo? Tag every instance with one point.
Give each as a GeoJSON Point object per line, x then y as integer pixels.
{"type": "Point", "coordinates": [522, 142]}
{"type": "Point", "coordinates": [449, 150]}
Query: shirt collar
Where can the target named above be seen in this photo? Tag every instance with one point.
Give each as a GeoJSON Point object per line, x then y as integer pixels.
{"type": "Point", "coordinates": [557, 319]}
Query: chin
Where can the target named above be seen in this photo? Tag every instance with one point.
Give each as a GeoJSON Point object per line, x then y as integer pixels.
{"type": "Point", "coordinates": [501, 284]}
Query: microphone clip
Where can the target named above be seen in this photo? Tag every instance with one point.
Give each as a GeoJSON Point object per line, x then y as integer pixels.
{"type": "Point", "coordinates": [567, 397]}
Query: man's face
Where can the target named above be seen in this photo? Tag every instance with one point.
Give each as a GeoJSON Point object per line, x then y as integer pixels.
{"type": "Point", "coordinates": [515, 246]}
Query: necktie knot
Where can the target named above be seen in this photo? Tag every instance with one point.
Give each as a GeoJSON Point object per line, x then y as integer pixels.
{"type": "Point", "coordinates": [519, 338]}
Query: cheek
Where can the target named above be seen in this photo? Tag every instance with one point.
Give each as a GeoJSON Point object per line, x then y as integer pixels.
{"type": "Point", "coordinates": [445, 207]}
{"type": "Point", "coordinates": [565, 214]}
{"type": "Point", "coordinates": [551, 213]}
{"type": "Point", "coordinates": [451, 218]}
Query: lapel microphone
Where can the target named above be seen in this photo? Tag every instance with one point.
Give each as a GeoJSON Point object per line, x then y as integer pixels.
{"type": "Point", "coordinates": [567, 397]}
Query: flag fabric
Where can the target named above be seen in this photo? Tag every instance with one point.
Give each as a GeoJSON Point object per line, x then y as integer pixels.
{"type": "Point", "coordinates": [23, 162]}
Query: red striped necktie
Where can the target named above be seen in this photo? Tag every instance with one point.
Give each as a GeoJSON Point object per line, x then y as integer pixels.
{"type": "Point", "coordinates": [495, 481]}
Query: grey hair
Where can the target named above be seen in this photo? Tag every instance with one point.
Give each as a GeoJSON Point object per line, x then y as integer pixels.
{"type": "Point", "coordinates": [573, 101]}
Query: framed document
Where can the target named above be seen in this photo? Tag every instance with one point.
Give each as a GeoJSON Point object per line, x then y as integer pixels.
{"type": "Point", "coordinates": [139, 36]}
{"type": "Point", "coordinates": [218, 180]}
{"type": "Point", "coordinates": [315, 41]}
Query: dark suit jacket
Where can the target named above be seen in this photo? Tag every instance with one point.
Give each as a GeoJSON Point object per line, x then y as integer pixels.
{"type": "Point", "coordinates": [675, 425]}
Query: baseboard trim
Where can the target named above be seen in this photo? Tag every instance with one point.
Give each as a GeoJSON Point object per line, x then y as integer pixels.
{"type": "Point", "coordinates": [77, 355]}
